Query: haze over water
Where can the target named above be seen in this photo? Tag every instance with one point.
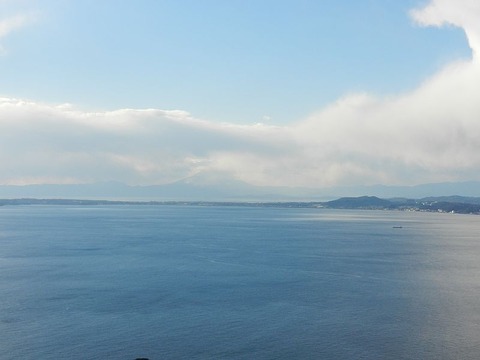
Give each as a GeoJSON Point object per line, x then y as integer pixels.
{"type": "Point", "coordinates": [170, 282]}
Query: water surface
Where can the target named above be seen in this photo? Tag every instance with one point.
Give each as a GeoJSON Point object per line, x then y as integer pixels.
{"type": "Point", "coordinates": [171, 282]}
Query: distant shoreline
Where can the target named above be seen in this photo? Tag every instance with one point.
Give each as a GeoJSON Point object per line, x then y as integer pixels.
{"type": "Point", "coordinates": [454, 205]}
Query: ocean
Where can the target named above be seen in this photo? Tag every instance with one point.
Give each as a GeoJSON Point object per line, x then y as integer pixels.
{"type": "Point", "coordinates": [218, 282]}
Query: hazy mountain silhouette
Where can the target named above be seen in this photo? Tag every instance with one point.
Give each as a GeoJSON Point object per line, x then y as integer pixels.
{"type": "Point", "coordinates": [217, 187]}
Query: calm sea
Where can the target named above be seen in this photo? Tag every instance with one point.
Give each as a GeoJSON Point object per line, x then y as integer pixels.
{"type": "Point", "coordinates": [186, 282]}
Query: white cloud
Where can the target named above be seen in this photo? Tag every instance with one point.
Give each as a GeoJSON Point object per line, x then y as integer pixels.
{"type": "Point", "coordinates": [427, 135]}
{"type": "Point", "coordinates": [460, 13]}
{"type": "Point", "coordinates": [136, 146]}
{"type": "Point", "coordinates": [431, 134]}
{"type": "Point", "coordinates": [13, 23]}
{"type": "Point", "coordinates": [10, 24]}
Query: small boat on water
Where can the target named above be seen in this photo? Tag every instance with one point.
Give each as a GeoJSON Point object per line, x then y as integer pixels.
{"type": "Point", "coordinates": [397, 227]}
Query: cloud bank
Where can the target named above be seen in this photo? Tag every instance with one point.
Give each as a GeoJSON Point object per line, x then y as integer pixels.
{"type": "Point", "coordinates": [430, 134]}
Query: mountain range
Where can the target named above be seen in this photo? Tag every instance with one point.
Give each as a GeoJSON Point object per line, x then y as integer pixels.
{"type": "Point", "coordinates": [200, 188]}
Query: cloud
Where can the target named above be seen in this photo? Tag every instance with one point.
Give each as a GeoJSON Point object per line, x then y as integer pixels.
{"type": "Point", "coordinates": [460, 13]}
{"type": "Point", "coordinates": [10, 24]}
{"type": "Point", "coordinates": [426, 135]}
{"type": "Point", "coordinates": [136, 146]}
{"type": "Point", "coordinates": [431, 134]}
{"type": "Point", "coordinates": [13, 23]}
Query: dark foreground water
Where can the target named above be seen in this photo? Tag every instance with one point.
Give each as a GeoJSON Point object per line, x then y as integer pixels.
{"type": "Point", "coordinates": [175, 282]}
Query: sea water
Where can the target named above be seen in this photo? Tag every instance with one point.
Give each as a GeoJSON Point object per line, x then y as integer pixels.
{"type": "Point", "coordinates": [191, 282]}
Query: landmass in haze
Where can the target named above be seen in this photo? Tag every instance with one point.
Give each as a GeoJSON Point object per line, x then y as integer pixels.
{"type": "Point", "coordinates": [199, 189]}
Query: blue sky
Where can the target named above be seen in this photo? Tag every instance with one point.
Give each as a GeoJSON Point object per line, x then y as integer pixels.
{"type": "Point", "coordinates": [294, 93]}
{"type": "Point", "coordinates": [241, 61]}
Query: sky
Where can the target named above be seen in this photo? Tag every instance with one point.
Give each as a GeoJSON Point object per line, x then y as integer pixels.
{"type": "Point", "coordinates": [285, 93]}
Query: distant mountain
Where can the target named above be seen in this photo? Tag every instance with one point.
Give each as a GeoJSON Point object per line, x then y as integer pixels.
{"type": "Point", "coordinates": [190, 189]}
{"type": "Point", "coordinates": [456, 204]}
{"type": "Point", "coordinates": [464, 189]}
{"type": "Point", "coordinates": [218, 187]}
{"type": "Point", "coordinates": [453, 199]}
{"type": "Point", "coordinates": [362, 202]}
